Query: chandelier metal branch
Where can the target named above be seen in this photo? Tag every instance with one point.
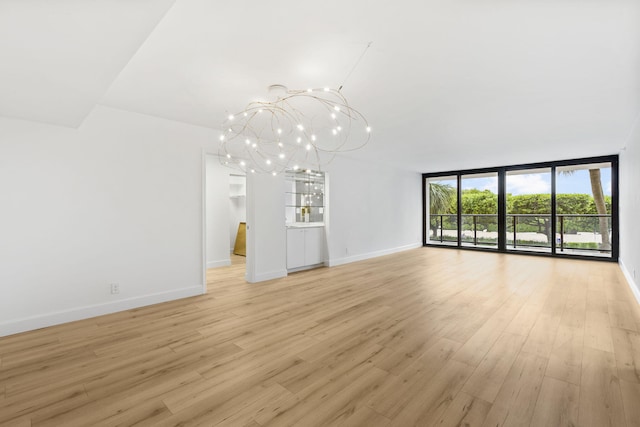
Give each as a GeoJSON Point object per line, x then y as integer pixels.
{"type": "Point", "coordinates": [301, 129]}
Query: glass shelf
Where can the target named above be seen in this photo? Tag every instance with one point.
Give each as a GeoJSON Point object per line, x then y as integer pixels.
{"type": "Point", "coordinates": [304, 196]}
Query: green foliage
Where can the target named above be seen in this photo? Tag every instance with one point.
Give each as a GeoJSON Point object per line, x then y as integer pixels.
{"type": "Point", "coordinates": [441, 198]}
{"type": "Point", "coordinates": [574, 203]}
{"type": "Point", "coordinates": [527, 243]}
{"type": "Point", "coordinates": [479, 202]}
{"type": "Point", "coordinates": [485, 202]}
{"type": "Point", "coordinates": [529, 204]}
{"type": "Point", "coordinates": [580, 245]}
{"type": "Point", "coordinates": [579, 204]}
{"type": "Point", "coordinates": [474, 201]}
{"type": "Point", "coordinates": [481, 240]}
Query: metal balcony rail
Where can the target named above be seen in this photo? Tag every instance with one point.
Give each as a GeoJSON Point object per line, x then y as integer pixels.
{"type": "Point", "coordinates": [595, 229]}
{"type": "Point", "coordinates": [513, 222]}
{"type": "Point", "coordinates": [439, 225]}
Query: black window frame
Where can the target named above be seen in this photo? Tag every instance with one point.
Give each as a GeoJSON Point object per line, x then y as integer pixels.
{"type": "Point", "coordinates": [502, 206]}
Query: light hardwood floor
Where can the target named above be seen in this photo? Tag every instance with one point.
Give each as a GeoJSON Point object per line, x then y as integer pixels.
{"type": "Point", "coordinates": [424, 337]}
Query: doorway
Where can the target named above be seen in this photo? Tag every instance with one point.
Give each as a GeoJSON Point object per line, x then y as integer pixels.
{"type": "Point", "coordinates": [237, 218]}
{"type": "Point", "coordinates": [224, 209]}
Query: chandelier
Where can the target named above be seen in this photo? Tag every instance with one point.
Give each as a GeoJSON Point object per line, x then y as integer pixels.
{"type": "Point", "coordinates": [300, 129]}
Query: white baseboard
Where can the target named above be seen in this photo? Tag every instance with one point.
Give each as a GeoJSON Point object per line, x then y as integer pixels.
{"type": "Point", "coordinates": [361, 257]}
{"type": "Point", "coordinates": [219, 263]}
{"type": "Point", "coordinates": [627, 275]}
{"type": "Point", "coordinates": [267, 276]}
{"type": "Point", "coordinates": [306, 267]}
{"type": "Point", "coordinates": [50, 319]}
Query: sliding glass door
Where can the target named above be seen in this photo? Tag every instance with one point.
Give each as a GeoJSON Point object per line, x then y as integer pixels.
{"type": "Point", "coordinates": [583, 205]}
{"type": "Point", "coordinates": [565, 208]}
{"type": "Point", "coordinates": [442, 219]}
{"type": "Point", "coordinates": [479, 217]}
{"type": "Point", "coordinates": [528, 219]}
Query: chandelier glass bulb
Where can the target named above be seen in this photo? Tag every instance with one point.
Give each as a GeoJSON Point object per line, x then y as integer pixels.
{"type": "Point", "coordinates": [301, 128]}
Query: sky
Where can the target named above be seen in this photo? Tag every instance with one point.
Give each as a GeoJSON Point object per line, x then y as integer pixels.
{"type": "Point", "coordinates": [535, 183]}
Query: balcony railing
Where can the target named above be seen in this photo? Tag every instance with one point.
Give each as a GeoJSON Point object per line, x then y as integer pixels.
{"type": "Point", "coordinates": [590, 224]}
{"type": "Point", "coordinates": [513, 220]}
{"type": "Point", "coordinates": [573, 231]}
{"type": "Point", "coordinates": [451, 235]}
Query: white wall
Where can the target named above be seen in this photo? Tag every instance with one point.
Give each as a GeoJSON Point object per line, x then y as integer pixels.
{"type": "Point", "coordinates": [629, 208]}
{"type": "Point", "coordinates": [120, 200]}
{"type": "Point", "coordinates": [218, 216]}
{"type": "Point", "coordinates": [117, 200]}
{"type": "Point", "coordinates": [266, 235]}
{"type": "Point", "coordinates": [373, 210]}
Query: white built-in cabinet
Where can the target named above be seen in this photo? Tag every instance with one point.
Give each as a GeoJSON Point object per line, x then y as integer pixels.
{"type": "Point", "coordinates": [305, 247]}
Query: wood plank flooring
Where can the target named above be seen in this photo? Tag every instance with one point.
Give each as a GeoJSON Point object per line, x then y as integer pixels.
{"type": "Point", "coordinates": [423, 337]}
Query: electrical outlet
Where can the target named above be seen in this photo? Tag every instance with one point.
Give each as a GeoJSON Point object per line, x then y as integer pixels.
{"type": "Point", "coordinates": [346, 251]}
{"type": "Point", "coordinates": [115, 288]}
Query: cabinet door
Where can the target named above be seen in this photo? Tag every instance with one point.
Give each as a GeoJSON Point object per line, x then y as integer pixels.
{"type": "Point", "coordinates": [295, 247]}
{"type": "Point", "coordinates": [314, 246]}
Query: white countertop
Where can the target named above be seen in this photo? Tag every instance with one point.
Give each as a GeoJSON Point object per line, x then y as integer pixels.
{"type": "Point", "coordinates": [304, 224]}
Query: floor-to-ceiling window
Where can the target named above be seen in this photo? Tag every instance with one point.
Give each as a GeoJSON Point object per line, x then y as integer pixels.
{"type": "Point", "coordinates": [528, 219]}
{"type": "Point", "coordinates": [563, 208]}
{"type": "Point", "coordinates": [442, 219]}
{"type": "Point", "coordinates": [583, 206]}
{"type": "Point", "coordinates": [479, 197]}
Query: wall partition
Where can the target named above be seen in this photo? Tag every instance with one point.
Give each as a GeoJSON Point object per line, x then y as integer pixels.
{"type": "Point", "coordinates": [564, 208]}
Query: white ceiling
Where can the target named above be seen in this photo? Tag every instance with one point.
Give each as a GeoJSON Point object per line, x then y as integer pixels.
{"type": "Point", "coordinates": [58, 57]}
{"type": "Point", "coordinates": [445, 85]}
